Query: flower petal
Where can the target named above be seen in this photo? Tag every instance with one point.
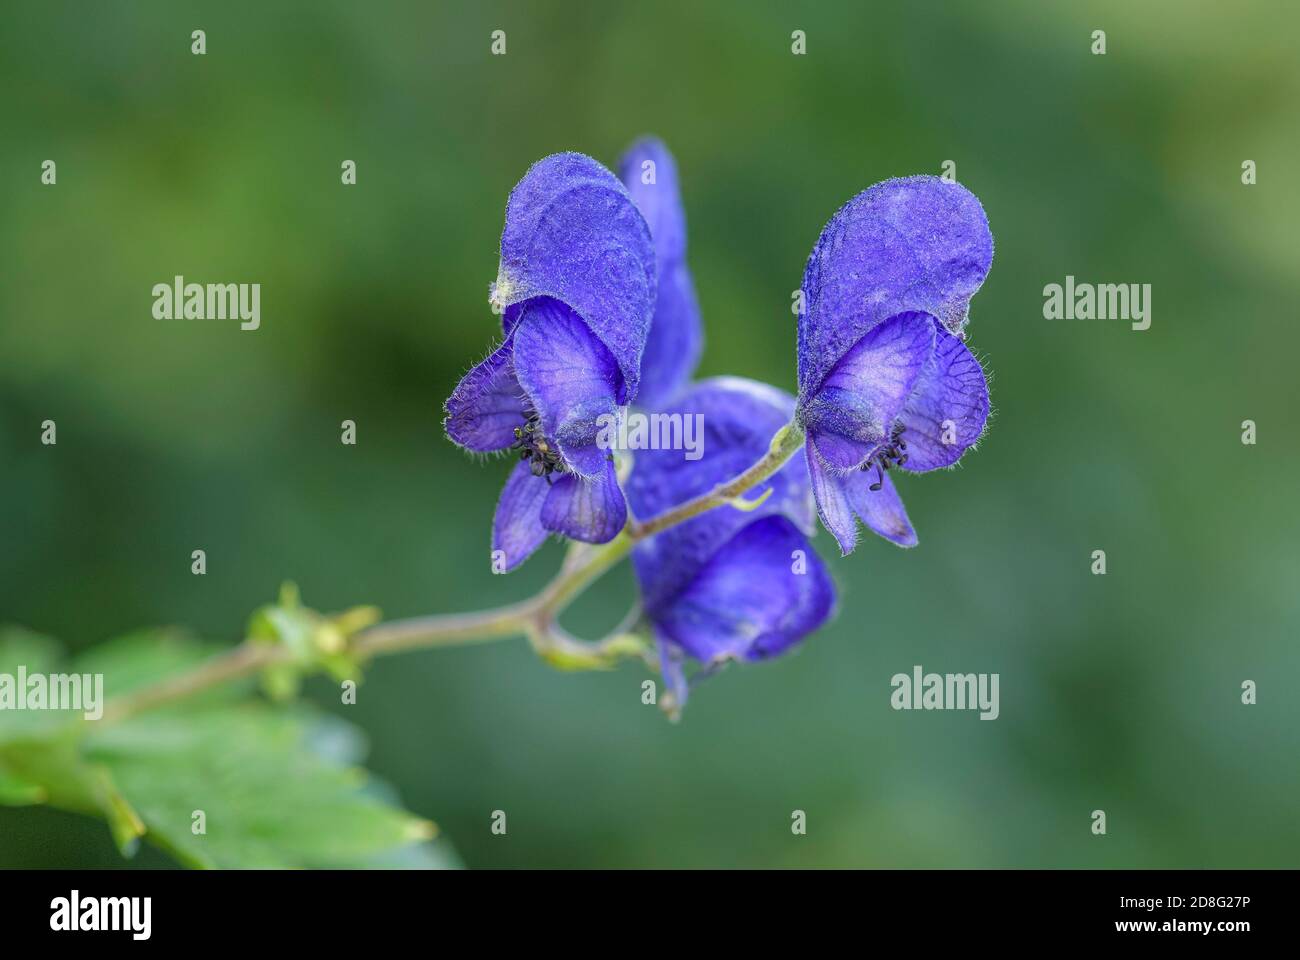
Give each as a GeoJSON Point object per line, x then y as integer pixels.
{"type": "Point", "coordinates": [487, 404]}
{"type": "Point", "coordinates": [832, 499]}
{"type": "Point", "coordinates": [649, 173]}
{"type": "Point", "coordinates": [919, 243]}
{"type": "Point", "coordinates": [570, 377]}
{"type": "Point", "coordinates": [881, 510]}
{"type": "Point", "coordinates": [673, 347]}
{"type": "Point", "coordinates": [844, 497]}
{"type": "Point", "coordinates": [675, 341]}
{"type": "Point", "coordinates": [517, 528]}
{"type": "Point", "coordinates": [674, 673]}
{"type": "Point", "coordinates": [737, 419]}
{"type": "Point", "coordinates": [854, 409]}
{"type": "Point", "coordinates": [573, 233]}
{"type": "Point", "coordinates": [592, 511]}
{"type": "Point", "coordinates": [758, 595]}
{"type": "Point", "coordinates": [947, 411]}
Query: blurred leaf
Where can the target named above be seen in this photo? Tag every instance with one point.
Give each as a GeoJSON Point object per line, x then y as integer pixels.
{"type": "Point", "coordinates": [123, 822]}
{"type": "Point", "coordinates": [435, 855]}
{"type": "Point", "coordinates": [17, 792]}
{"type": "Point", "coordinates": [21, 648]}
{"type": "Point", "coordinates": [147, 656]}
{"type": "Point", "coordinates": [277, 787]}
{"type": "Point", "coordinates": [50, 768]}
{"type": "Point", "coordinates": [267, 800]}
{"type": "Point", "coordinates": [19, 645]}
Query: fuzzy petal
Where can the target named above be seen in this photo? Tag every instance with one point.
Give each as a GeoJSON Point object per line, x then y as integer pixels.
{"type": "Point", "coordinates": [919, 243]}
{"type": "Point", "coordinates": [842, 498]}
{"type": "Point", "coordinates": [749, 602]}
{"type": "Point", "coordinates": [573, 233]}
{"type": "Point", "coordinates": [517, 528]}
{"type": "Point", "coordinates": [570, 378]}
{"type": "Point", "coordinates": [881, 510]}
{"type": "Point", "coordinates": [833, 506]}
{"type": "Point", "coordinates": [659, 200]}
{"type": "Point", "coordinates": [739, 418]}
{"type": "Point", "coordinates": [676, 338]}
{"type": "Point", "coordinates": [856, 405]}
{"type": "Point", "coordinates": [592, 511]}
{"type": "Point", "coordinates": [952, 390]}
{"type": "Point", "coordinates": [487, 404]}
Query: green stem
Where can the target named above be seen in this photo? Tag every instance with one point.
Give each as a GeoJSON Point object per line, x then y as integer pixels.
{"type": "Point", "coordinates": [561, 591]}
{"type": "Point", "coordinates": [785, 444]}
{"type": "Point", "coordinates": [241, 661]}
{"type": "Point", "coordinates": [534, 618]}
{"type": "Point", "coordinates": [444, 630]}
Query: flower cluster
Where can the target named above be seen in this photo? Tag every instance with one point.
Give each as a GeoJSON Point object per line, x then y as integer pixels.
{"type": "Point", "coordinates": [731, 584]}
{"type": "Point", "coordinates": [599, 316]}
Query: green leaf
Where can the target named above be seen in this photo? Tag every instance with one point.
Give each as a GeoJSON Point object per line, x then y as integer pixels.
{"type": "Point", "coordinates": [265, 798]}
{"type": "Point", "coordinates": [19, 645]}
{"type": "Point", "coordinates": [275, 786]}
{"type": "Point", "coordinates": [17, 792]}
{"type": "Point", "coordinates": [435, 855]}
{"type": "Point", "coordinates": [51, 769]}
{"type": "Point", "coordinates": [124, 823]}
{"type": "Point", "coordinates": [23, 649]}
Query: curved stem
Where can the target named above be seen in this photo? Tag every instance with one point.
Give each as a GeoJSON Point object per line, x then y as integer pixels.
{"type": "Point", "coordinates": [784, 446]}
{"type": "Point", "coordinates": [560, 592]}
{"type": "Point", "coordinates": [444, 630]}
{"type": "Point", "coordinates": [534, 618]}
{"type": "Point", "coordinates": [241, 661]}
{"type": "Point", "coordinates": [252, 656]}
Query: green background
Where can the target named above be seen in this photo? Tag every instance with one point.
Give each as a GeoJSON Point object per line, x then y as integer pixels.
{"type": "Point", "coordinates": [1118, 692]}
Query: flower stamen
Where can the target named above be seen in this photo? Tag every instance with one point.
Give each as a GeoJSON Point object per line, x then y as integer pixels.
{"type": "Point", "coordinates": [892, 454]}
{"type": "Point", "coordinates": [533, 446]}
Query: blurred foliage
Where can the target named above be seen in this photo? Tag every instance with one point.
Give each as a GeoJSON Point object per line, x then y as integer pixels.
{"type": "Point", "coordinates": [1118, 692]}
{"type": "Point", "coordinates": [274, 787]}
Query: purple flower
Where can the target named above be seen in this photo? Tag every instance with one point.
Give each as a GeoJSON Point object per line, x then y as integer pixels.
{"type": "Point", "coordinates": [885, 379]}
{"type": "Point", "coordinates": [673, 348]}
{"type": "Point", "coordinates": [729, 584]}
{"type": "Point", "coordinates": [576, 287]}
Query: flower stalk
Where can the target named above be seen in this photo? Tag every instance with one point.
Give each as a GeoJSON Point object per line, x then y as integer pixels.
{"type": "Point", "coordinates": [535, 618]}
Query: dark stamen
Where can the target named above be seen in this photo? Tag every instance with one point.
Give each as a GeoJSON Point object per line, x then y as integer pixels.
{"type": "Point", "coordinates": [534, 447]}
{"type": "Point", "coordinates": [889, 456]}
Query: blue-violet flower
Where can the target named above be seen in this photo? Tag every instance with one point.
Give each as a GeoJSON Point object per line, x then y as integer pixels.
{"type": "Point", "coordinates": [729, 584]}
{"type": "Point", "coordinates": [885, 378]}
{"type": "Point", "coordinates": [673, 347]}
{"type": "Point", "coordinates": [576, 289]}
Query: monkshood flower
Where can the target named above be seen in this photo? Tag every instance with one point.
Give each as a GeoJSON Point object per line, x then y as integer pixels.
{"type": "Point", "coordinates": [673, 347]}
{"type": "Point", "coordinates": [732, 583]}
{"type": "Point", "coordinates": [576, 289]}
{"type": "Point", "coordinates": [885, 379]}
